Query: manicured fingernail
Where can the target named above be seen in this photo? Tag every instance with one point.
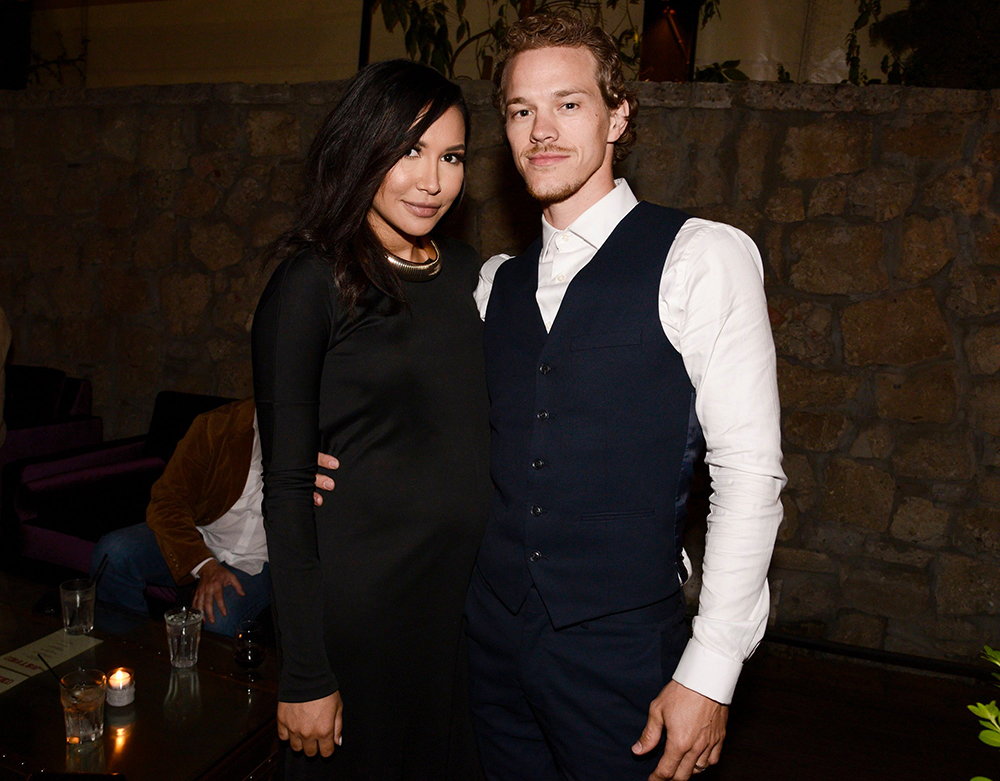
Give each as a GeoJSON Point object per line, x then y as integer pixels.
{"type": "Point", "coordinates": [637, 747]}
{"type": "Point", "coordinates": [340, 741]}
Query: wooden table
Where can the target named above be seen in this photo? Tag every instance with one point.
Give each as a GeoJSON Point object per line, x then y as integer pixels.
{"type": "Point", "coordinates": [209, 722]}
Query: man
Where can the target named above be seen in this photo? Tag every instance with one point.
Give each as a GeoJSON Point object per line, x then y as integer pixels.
{"type": "Point", "coordinates": [608, 342]}
{"type": "Point", "coordinates": [203, 523]}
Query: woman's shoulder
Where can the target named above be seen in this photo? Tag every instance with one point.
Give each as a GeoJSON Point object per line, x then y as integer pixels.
{"type": "Point", "coordinates": [304, 277]}
{"type": "Point", "coordinates": [301, 274]}
{"type": "Point", "coordinates": [303, 267]}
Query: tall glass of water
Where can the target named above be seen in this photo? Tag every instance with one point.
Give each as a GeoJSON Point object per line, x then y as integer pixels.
{"type": "Point", "coordinates": [183, 635]}
{"type": "Point", "coordinates": [77, 598]}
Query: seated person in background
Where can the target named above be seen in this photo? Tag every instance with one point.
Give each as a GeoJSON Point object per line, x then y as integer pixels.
{"type": "Point", "coordinates": [203, 522]}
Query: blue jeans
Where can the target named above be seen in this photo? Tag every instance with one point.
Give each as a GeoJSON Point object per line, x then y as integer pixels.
{"type": "Point", "coordinates": [135, 562]}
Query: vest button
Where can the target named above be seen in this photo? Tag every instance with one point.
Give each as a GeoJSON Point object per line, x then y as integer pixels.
{"type": "Point", "coordinates": [536, 510]}
{"type": "Point", "coordinates": [542, 414]}
{"type": "Point", "coordinates": [544, 368]}
{"type": "Point", "coordinates": [535, 556]}
{"type": "Point", "coordinates": [537, 463]}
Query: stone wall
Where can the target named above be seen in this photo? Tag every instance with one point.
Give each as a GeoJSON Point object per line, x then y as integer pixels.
{"type": "Point", "coordinates": [133, 224]}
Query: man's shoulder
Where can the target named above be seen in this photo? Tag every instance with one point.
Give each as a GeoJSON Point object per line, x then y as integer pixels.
{"type": "Point", "coordinates": [234, 418]}
{"type": "Point", "coordinates": [702, 244]}
{"type": "Point", "coordinates": [490, 267]}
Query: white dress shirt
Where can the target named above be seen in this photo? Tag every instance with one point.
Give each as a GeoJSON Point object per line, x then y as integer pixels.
{"type": "Point", "coordinates": [237, 538]}
{"type": "Point", "coordinates": [713, 311]}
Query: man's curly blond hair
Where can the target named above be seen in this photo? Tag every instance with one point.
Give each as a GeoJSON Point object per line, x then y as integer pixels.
{"type": "Point", "coordinates": [545, 29]}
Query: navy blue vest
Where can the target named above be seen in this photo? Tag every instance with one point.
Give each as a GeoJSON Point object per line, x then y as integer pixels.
{"type": "Point", "coordinates": [593, 431]}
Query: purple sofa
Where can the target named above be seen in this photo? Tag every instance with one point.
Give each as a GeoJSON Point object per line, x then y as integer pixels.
{"type": "Point", "coordinates": [58, 507]}
{"type": "Point", "coordinates": [46, 413]}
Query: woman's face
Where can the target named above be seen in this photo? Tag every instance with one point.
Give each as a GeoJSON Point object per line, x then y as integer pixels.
{"type": "Point", "coordinates": [418, 190]}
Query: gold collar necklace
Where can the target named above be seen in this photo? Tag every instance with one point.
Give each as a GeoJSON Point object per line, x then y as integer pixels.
{"type": "Point", "coordinates": [415, 272]}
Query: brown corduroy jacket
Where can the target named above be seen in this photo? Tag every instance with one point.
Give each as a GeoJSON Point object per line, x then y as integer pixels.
{"type": "Point", "coordinates": [205, 477]}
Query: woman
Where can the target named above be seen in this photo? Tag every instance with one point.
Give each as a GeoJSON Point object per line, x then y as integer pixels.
{"type": "Point", "coordinates": [367, 345]}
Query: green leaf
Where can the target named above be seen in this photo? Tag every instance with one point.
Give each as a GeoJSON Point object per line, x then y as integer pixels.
{"type": "Point", "coordinates": [389, 16]}
{"type": "Point", "coordinates": [980, 710]}
{"type": "Point", "coordinates": [460, 7]}
{"type": "Point", "coordinates": [735, 74]}
{"type": "Point", "coordinates": [460, 31]}
{"type": "Point", "coordinates": [990, 738]}
{"type": "Point", "coordinates": [730, 63]}
{"type": "Point", "coordinates": [979, 778]}
{"type": "Point", "coordinates": [862, 21]}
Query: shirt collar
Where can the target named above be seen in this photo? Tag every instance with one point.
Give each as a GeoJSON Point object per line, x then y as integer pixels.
{"type": "Point", "coordinates": [597, 223]}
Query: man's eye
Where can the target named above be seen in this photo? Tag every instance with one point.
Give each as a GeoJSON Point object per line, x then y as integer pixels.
{"type": "Point", "coordinates": [521, 112]}
{"type": "Point", "coordinates": [571, 105]}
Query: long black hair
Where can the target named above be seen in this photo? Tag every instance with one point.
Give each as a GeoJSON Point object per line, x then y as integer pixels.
{"type": "Point", "coordinates": [386, 109]}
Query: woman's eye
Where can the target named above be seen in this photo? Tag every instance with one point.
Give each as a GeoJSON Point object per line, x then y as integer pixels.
{"type": "Point", "coordinates": [454, 157]}
{"type": "Point", "coordinates": [414, 152]}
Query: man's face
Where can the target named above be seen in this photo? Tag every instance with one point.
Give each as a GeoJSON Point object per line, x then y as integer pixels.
{"type": "Point", "coordinates": [561, 132]}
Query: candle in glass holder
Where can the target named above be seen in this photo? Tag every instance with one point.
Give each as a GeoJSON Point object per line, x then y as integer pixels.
{"type": "Point", "coordinates": [121, 687]}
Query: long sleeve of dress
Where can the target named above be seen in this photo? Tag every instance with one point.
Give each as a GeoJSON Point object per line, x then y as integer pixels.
{"type": "Point", "coordinates": [291, 335]}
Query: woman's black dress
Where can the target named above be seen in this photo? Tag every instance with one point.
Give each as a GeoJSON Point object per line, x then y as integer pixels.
{"type": "Point", "coordinates": [369, 588]}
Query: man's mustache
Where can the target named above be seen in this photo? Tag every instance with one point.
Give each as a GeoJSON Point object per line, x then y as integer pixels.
{"type": "Point", "coordinates": [545, 150]}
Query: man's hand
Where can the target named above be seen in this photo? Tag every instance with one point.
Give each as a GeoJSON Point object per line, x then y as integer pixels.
{"type": "Point", "coordinates": [312, 726]}
{"type": "Point", "coordinates": [695, 725]}
{"type": "Point", "coordinates": [323, 482]}
{"type": "Point", "coordinates": [212, 579]}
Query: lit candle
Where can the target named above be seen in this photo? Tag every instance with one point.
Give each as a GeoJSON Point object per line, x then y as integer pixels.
{"type": "Point", "coordinates": [121, 687]}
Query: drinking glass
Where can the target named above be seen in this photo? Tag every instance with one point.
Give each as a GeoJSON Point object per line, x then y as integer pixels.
{"type": "Point", "coordinates": [248, 646]}
{"type": "Point", "coordinates": [183, 635]}
{"type": "Point", "coordinates": [82, 695]}
{"type": "Point", "coordinates": [77, 597]}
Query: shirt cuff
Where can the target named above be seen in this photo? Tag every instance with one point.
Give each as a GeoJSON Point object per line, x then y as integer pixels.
{"type": "Point", "coordinates": [197, 569]}
{"type": "Point", "coordinates": [708, 673]}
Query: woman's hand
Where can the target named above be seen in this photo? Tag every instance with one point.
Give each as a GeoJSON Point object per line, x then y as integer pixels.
{"type": "Point", "coordinates": [312, 726]}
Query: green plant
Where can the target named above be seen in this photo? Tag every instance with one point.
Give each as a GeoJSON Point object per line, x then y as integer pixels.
{"type": "Point", "coordinates": [940, 43]}
{"type": "Point", "coordinates": [989, 714]}
{"type": "Point", "coordinates": [709, 8]}
{"type": "Point", "coordinates": [427, 27]}
{"type": "Point", "coordinates": [721, 72]}
{"type": "Point", "coordinates": [784, 76]}
{"type": "Point", "coordinates": [869, 11]}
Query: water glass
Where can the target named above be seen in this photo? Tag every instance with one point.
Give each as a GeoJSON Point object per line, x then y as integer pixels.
{"type": "Point", "coordinates": [77, 597]}
{"type": "Point", "coordinates": [183, 635]}
{"type": "Point", "coordinates": [82, 695]}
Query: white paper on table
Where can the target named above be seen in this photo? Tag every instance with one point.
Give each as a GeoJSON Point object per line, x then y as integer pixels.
{"type": "Point", "coordinates": [56, 648]}
{"type": "Point", "coordinates": [9, 679]}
